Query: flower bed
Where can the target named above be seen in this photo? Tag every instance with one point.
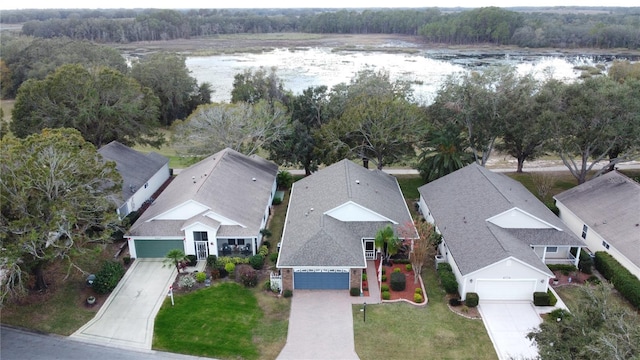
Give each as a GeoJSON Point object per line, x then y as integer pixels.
{"type": "Point", "coordinates": [410, 289]}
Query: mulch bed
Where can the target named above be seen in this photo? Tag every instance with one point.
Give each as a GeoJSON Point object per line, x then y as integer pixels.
{"type": "Point", "coordinates": [571, 278]}
{"type": "Point", "coordinates": [409, 291]}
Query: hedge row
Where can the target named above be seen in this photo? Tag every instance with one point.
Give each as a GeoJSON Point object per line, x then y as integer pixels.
{"type": "Point", "coordinates": [624, 281]}
{"type": "Point", "coordinates": [447, 278]}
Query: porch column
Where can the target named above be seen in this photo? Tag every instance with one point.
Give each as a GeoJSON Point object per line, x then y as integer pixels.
{"type": "Point", "coordinates": [544, 254]}
{"type": "Point", "coordinates": [577, 259]}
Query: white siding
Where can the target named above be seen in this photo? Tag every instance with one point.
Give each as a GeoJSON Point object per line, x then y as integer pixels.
{"type": "Point", "coordinates": [189, 243]}
{"type": "Point", "coordinates": [593, 239]}
{"type": "Point", "coordinates": [145, 193]}
{"type": "Point", "coordinates": [509, 272]}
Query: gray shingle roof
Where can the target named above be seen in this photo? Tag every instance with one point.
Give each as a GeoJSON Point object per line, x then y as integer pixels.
{"type": "Point", "coordinates": [312, 238]}
{"type": "Point", "coordinates": [135, 167]}
{"type": "Point", "coordinates": [462, 201]}
{"type": "Point", "coordinates": [228, 183]}
{"type": "Point", "coordinates": [610, 205]}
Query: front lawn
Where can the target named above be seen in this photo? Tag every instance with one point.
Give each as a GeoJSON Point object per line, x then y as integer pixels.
{"type": "Point", "coordinates": [223, 321]}
{"type": "Point", "coordinates": [403, 331]}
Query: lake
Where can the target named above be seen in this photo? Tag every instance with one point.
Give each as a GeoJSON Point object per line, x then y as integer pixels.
{"type": "Point", "coordinates": [301, 68]}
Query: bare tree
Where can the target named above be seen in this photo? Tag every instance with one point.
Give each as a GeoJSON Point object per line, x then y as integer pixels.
{"type": "Point", "coordinates": [424, 246]}
{"type": "Point", "coordinates": [543, 181]}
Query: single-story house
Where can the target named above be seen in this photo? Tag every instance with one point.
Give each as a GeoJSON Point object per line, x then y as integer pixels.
{"type": "Point", "coordinates": [215, 207]}
{"type": "Point", "coordinates": [142, 175]}
{"type": "Point", "coordinates": [496, 235]}
{"type": "Point", "coordinates": [605, 212]}
{"type": "Point", "coordinates": [332, 220]}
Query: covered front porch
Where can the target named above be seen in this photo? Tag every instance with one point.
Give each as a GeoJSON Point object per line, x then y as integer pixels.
{"type": "Point", "coordinates": [558, 254]}
{"type": "Point", "coordinates": [235, 247]}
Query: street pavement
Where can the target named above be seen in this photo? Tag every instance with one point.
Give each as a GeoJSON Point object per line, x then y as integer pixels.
{"type": "Point", "coordinates": [16, 344]}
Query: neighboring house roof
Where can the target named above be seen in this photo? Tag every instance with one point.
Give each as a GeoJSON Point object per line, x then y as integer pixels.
{"type": "Point", "coordinates": [610, 205]}
{"type": "Point", "coordinates": [227, 190]}
{"type": "Point", "coordinates": [475, 210]}
{"type": "Point", "coordinates": [324, 224]}
{"type": "Point", "coordinates": [136, 168]}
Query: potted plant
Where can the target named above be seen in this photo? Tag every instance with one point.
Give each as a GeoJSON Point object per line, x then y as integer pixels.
{"type": "Point", "coordinates": [556, 281]}
{"type": "Point", "coordinates": [91, 300]}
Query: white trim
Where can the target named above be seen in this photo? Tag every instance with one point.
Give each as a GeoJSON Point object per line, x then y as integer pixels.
{"type": "Point", "coordinates": [190, 201]}
{"type": "Point", "coordinates": [509, 258]}
{"type": "Point", "coordinates": [495, 217]}
{"type": "Point", "coordinates": [222, 219]}
{"type": "Point", "coordinates": [284, 229]}
{"type": "Point", "coordinates": [155, 238]}
{"type": "Point", "coordinates": [352, 203]}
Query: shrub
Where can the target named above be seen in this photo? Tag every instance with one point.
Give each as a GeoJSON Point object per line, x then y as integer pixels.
{"type": "Point", "coordinates": [384, 287]}
{"type": "Point", "coordinates": [192, 260]}
{"type": "Point", "coordinates": [187, 281]}
{"type": "Point", "coordinates": [266, 242]}
{"type": "Point", "coordinates": [384, 271]}
{"type": "Point", "coordinates": [364, 277]}
{"type": "Point", "coordinates": [552, 298]}
{"type": "Point", "coordinates": [565, 268]}
{"type": "Point", "coordinates": [593, 280]}
{"type": "Point", "coordinates": [215, 274]}
{"type": "Point", "coordinates": [417, 298]}
{"type": "Point", "coordinates": [264, 251]}
{"type": "Point", "coordinates": [386, 295]}
{"type": "Point", "coordinates": [108, 277]}
{"type": "Point", "coordinates": [397, 270]}
{"type": "Point", "coordinates": [472, 299]}
{"type": "Point", "coordinates": [126, 260]}
{"type": "Point", "coordinates": [454, 302]}
{"type": "Point", "coordinates": [540, 298]}
{"type": "Point", "coordinates": [447, 278]}
{"type": "Point", "coordinates": [201, 277]}
{"type": "Point", "coordinates": [418, 291]}
{"type": "Point", "coordinates": [444, 267]}
{"type": "Point", "coordinates": [624, 281]}
{"type": "Point", "coordinates": [284, 179]}
{"type": "Point", "coordinates": [223, 272]}
{"type": "Point", "coordinates": [354, 291]}
{"type": "Point", "coordinates": [249, 278]}
{"type": "Point", "coordinates": [585, 263]}
{"type": "Point", "coordinates": [273, 257]}
{"type": "Point", "coordinates": [212, 261]}
{"type": "Point", "coordinates": [558, 314]}
{"type": "Point", "coordinates": [267, 285]}
{"type": "Point", "coordinates": [276, 201]}
{"type": "Point", "coordinates": [408, 267]}
{"type": "Point", "coordinates": [230, 267]}
{"type": "Point", "coordinates": [288, 293]}
{"type": "Point", "coordinates": [256, 261]}
{"type": "Point", "coordinates": [383, 278]}
{"type": "Point", "coordinates": [398, 281]}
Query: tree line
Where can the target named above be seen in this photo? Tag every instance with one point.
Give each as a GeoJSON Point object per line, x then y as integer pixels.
{"type": "Point", "coordinates": [527, 27]}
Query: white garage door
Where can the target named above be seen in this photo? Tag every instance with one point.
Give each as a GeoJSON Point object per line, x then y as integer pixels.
{"type": "Point", "coordinates": [505, 289]}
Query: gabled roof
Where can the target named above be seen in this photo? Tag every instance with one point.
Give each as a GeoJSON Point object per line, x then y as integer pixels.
{"type": "Point", "coordinates": [463, 202]}
{"type": "Point", "coordinates": [314, 235]}
{"type": "Point", "coordinates": [610, 205]}
{"type": "Point", "coordinates": [228, 183]}
{"type": "Point", "coordinates": [135, 167]}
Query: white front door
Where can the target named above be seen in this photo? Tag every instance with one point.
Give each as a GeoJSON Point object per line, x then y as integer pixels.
{"type": "Point", "coordinates": [202, 250]}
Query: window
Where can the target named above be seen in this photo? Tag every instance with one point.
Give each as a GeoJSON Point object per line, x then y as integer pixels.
{"type": "Point", "coordinates": [200, 236]}
{"type": "Point", "coordinates": [605, 244]}
{"type": "Point", "coordinates": [584, 231]}
{"type": "Point", "coordinates": [231, 241]}
{"type": "Point", "coordinates": [240, 241]}
{"type": "Point", "coordinates": [552, 249]}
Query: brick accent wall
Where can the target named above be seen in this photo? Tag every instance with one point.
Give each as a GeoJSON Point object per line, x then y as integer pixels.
{"type": "Point", "coordinates": [355, 278]}
{"type": "Point", "coordinates": [287, 279]}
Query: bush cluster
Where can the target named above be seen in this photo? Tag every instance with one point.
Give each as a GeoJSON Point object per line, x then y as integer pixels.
{"type": "Point", "coordinates": [287, 293]}
{"type": "Point", "coordinates": [192, 260]}
{"type": "Point", "coordinates": [201, 277]}
{"type": "Point", "coordinates": [386, 295]}
{"type": "Point", "coordinates": [541, 298]}
{"type": "Point", "coordinates": [273, 257]}
{"type": "Point", "coordinates": [384, 287]}
{"type": "Point", "coordinates": [263, 250]}
{"type": "Point", "coordinates": [249, 278]}
{"type": "Point", "coordinates": [585, 263]}
{"type": "Point", "coordinates": [256, 261]}
{"type": "Point", "coordinates": [187, 281]}
{"type": "Point", "coordinates": [447, 278]}
{"type": "Point", "coordinates": [398, 281]}
{"type": "Point", "coordinates": [409, 267]}
{"type": "Point", "coordinates": [623, 280]}
{"type": "Point", "coordinates": [364, 277]}
{"type": "Point", "coordinates": [126, 260]}
{"type": "Point", "coordinates": [401, 261]}
{"type": "Point", "coordinates": [384, 278]}
{"type": "Point", "coordinates": [224, 260]}
{"type": "Point", "coordinates": [212, 261]}
{"type": "Point", "coordinates": [108, 277]}
{"type": "Point", "coordinates": [230, 267]}
{"type": "Point", "coordinates": [354, 291]}
{"type": "Point", "coordinates": [552, 298]}
{"type": "Point", "coordinates": [454, 302]}
{"type": "Point", "coordinates": [417, 298]}
{"type": "Point", "coordinates": [472, 299]}
{"type": "Point", "coordinates": [396, 270]}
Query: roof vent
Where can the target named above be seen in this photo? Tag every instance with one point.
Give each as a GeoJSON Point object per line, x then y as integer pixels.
{"type": "Point", "coordinates": [194, 179]}
{"type": "Point", "coordinates": [358, 182]}
{"type": "Point", "coordinates": [253, 179]}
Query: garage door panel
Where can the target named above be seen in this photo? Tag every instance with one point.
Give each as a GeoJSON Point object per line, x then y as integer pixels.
{"type": "Point", "coordinates": [311, 280]}
{"type": "Point", "coordinates": [489, 289]}
{"type": "Point", "coordinates": [156, 248]}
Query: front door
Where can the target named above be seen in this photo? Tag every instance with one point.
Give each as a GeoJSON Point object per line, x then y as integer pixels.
{"type": "Point", "coordinates": [202, 250]}
{"type": "Point", "coordinates": [369, 249]}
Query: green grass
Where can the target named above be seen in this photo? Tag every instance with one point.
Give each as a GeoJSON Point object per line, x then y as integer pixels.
{"type": "Point", "coordinates": [409, 185]}
{"type": "Point", "coordinates": [214, 322]}
{"type": "Point", "coordinates": [571, 294]}
{"type": "Point", "coordinates": [403, 331]}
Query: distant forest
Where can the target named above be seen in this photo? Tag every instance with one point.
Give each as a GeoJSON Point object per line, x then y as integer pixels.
{"type": "Point", "coordinates": [560, 27]}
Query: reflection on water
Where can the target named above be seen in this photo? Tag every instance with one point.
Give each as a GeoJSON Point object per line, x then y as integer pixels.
{"type": "Point", "coordinates": [302, 68]}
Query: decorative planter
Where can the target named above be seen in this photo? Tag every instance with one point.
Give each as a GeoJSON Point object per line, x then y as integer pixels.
{"type": "Point", "coordinates": [91, 300]}
{"type": "Point", "coordinates": [555, 281]}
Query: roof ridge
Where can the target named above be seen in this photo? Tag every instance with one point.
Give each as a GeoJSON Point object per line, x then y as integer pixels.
{"type": "Point", "coordinates": [480, 169]}
{"type": "Point", "coordinates": [347, 179]}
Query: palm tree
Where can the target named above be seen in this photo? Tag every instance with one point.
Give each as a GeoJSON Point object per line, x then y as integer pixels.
{"type": "Point", "coordinates": [446, 152]}
{"type": "Point", "coordinates": [174, 258]}
{"type": "Point", "coordinates": [387, 242]}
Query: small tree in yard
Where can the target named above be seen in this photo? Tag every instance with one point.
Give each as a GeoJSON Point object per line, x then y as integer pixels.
{"type": "Point", "coordinates": [174, 258]}
{"type": "Point", "coordinates": [424, 246]}
{"type": "Point", "coordinates": [387, 242]}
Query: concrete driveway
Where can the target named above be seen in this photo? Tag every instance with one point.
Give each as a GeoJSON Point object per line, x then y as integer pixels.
{"type": "Point", "coordinates": [127, 316]}
{"type": "Point", "coordinates": [508, 324]}
{"type": "Point", "coordinates": [320, 326]}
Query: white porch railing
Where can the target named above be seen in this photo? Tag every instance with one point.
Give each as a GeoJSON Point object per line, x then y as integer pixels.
{"type": "Point", "coordinates": [275, 281]}
{"type": "Point", "coordinates": [370, 254]}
